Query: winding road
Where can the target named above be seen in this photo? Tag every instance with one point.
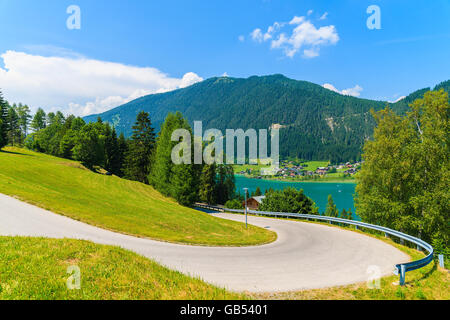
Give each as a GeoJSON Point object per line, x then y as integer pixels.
{"type": "Point", "coordinates": [305, 255]}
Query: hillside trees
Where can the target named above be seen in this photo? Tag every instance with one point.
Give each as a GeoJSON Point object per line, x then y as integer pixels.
{"type": "Point", "coordinates": [404, 181]}
{"type": "Point", "coordinates": [140, 148]}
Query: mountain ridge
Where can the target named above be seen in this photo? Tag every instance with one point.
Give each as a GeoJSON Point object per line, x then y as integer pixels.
{"type": "Point", "coordinates": [319, 124]}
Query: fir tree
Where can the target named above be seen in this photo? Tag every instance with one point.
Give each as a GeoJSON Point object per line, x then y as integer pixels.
{"type": "Point", "coordinates": [207, 188]}
{"type": "Point", "coordinates": [137, 160]}
{"type": "Point", "coordinates": [3, 122]}
{"type": "Point", "coordinates": [331, 210]}
{"type": "Point", "coordinates": [39, 120]}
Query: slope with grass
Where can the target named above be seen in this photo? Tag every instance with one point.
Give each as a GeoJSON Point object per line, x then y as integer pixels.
{"type": "Point", "coordinates": [36, 269]}
{"type": "Point", "coordinates": [65, 187]}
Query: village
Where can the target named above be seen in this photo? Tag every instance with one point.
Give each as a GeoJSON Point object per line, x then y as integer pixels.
{"type": "Point", "coordinates": [291, 169]}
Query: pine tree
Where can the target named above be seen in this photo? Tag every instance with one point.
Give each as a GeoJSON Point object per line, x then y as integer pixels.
{"type": "Point", "coordinates": [344, 214]}
{"type": "Point", "coordinates": [113, 162]}
{"type": "Point", "coordinates": [207, 188]}
{"type": "Point", "coordinates": [13, 127]}
{"type": "Point", "coordinates": [162, 164]}
{"type": "Point", "coordinates": [331, 210]}
{"type": "Point", "coordinates": [123, 149]}
{"type": "Point", "coordinates": [137, 160]}
{"type": "Point", "coordinates": [179, 181]}
{"type": "Point", "coordinates": [225, 184]}
{"type": "Point", "coordinates": [39, 120]}
{"type": "Point", "coordinates": [349, 214]}
{"type": "Point", "coordinates": [23, 111]}
{"type": "Point", "coordinates": [257, 192]}
{"type": "Point", "coordinates": [3, 122]}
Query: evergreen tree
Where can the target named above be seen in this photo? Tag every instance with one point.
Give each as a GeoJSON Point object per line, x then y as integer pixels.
{"type": "Point", "coordinates": [344, 214]}
{"type": "Point", "coordinates": [137, 161]}
{"type": "Point", "coordinates": [257, 192]}
{"type": "Point", "coordinates": [225, 184]}
{"type": "Point", "coordinates": [162, 163]}
{"type": "Point", "coordinates": [123, 149]}
{"type": "Point", "coordinates": [179, 181]}
{"type": "Point", "coordinates": [331, 210]}
{"type": "Point", "coordinates": [349, 214]}
{"type": "Point", "coordinates": [207, 188]}
{"type": "Point", "coordinates": [113, 161]}
{"type": "Point", "coordinates": [3, 122]}
{"type": "Point", "coordinates": [13, 127]}
{"type": "Point", "coordinates": [24, 113]}
{"type": "Point", "coordinates": [39, 120]}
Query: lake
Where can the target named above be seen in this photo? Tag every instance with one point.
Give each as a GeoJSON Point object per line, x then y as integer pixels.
{"type": "Point", "coordinates": [342, 193]}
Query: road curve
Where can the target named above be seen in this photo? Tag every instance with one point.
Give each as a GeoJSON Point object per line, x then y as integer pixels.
{"type": "Point", "coordinates": [305, 255]}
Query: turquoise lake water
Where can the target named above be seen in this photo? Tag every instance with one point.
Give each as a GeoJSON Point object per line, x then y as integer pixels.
{"type": "Point", "coordinates": [342, 193]}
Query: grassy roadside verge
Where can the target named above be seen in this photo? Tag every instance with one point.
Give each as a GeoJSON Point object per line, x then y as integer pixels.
{"type": "Point", "coordinates": [67, 188]}
{"type": "Point", "coordinates": [36, 269]}
{"type": "Point", "coordinates": [428, 283]}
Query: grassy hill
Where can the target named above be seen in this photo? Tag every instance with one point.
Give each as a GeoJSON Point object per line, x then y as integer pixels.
{"type": "Point", "coordinates": [66, 187]}
{"type": "Point", "coordinates": [317, 124]}
{"type": "Point", "coordinates": [36, 269]}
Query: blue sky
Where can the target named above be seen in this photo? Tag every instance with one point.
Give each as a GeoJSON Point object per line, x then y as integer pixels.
{"type": "Point", "coordinates": [166, 40]}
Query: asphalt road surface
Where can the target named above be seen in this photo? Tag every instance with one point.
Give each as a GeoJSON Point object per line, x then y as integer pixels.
{"type": "Point", "coordinates": [305, 255]}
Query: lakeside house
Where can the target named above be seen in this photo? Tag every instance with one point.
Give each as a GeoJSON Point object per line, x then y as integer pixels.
{"type": "Point", "coordinates": [254, 202]}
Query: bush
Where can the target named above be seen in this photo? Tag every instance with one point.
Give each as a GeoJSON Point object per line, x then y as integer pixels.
{"type": "Point", "coordinates": [234, 204]}
{"type": "Point", "coordinates": [288, 200]}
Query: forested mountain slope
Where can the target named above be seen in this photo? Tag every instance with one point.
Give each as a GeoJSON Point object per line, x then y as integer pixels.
{"type": "Point", "coordinates": [317, 124]}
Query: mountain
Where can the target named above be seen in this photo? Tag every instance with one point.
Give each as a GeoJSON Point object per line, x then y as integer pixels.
{"type": "Point", "coordinates": [316, 123]}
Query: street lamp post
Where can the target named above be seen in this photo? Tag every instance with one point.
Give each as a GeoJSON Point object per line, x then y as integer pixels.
{"type": "Point", "coordinates": [245, 191]}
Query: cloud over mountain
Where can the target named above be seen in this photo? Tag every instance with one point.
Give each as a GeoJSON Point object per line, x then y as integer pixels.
{"type": "Point", "coordinates": [80, 85]}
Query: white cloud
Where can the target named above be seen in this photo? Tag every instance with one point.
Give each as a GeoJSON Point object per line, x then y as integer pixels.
{"type": "Point", "coordinates": [297, 20]}
{"type": "Point", "coordinates": [257, 35]}
{"type": "Point", "coordinates": [241, 38]}
{"type": "Point", "coordinates": [354, 92]}
{"type": "Point", "coordinates": [79, 85]}
{"type": "Point", "coordinates": [302, 36]}
{"type": "Point", "coordinates": [310, 53]}
{"type": "Point", "coordinates": [324, 16]}
{"type": "Point", "coordinates": [310, 12]}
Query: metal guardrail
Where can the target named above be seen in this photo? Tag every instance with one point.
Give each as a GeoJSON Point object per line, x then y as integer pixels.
{"type": "Point", "coordinates": [401, 269]}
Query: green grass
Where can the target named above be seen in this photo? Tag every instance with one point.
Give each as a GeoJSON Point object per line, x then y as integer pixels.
{"type": "Point", "coordinates": [65, 187]}
{"type": "Point", "coordinates": [313, 165]}
{"type": "Point", "coordinates": [36, 269]}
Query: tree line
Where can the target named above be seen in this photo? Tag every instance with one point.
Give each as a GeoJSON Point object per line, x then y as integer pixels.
{"type": "Point", "coordinates": [143, 157]}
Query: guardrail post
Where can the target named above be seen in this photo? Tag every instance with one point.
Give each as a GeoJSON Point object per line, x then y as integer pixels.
{"type": "Point", "coordinates": [402, 275]}
{"type": "Point", "coordinates": [386, 235]}
{"type": "Point", "coordinates": [441, 260]}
